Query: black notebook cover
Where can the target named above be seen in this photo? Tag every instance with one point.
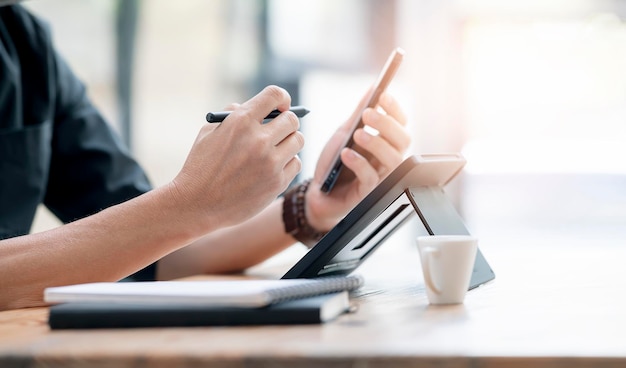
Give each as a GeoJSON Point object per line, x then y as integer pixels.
{"type": "Point", "coordinates": [311, 310]}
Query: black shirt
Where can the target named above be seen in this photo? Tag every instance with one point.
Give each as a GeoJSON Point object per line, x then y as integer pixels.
{"type": "Point", "coordinates": [55, 147]}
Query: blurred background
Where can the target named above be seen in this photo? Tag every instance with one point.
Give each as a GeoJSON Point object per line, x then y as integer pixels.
{"type": "Point", "coordinates": [533, 93]}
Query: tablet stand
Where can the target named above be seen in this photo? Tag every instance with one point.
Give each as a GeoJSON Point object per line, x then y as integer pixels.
{"type": "Point", "coordinates": [439, 217]}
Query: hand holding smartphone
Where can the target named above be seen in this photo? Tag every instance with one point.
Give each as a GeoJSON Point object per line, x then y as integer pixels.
{"type": "Point", "coordinates": [337, 173]}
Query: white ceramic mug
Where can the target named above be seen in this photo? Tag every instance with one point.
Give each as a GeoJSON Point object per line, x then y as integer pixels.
{"type": "Point", "coordinates": [447, 264]}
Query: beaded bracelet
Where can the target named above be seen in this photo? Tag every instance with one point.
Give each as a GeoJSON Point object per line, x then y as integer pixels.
{"type": "Point", "coordinates": [294, 216]}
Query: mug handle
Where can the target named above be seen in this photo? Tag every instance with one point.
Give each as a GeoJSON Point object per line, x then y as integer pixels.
{"type": "Point", "coordinates": [430, 252]}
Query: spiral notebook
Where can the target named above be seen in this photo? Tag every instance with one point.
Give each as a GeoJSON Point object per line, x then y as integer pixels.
{"type": "Point", "coordinates": [231, 293]}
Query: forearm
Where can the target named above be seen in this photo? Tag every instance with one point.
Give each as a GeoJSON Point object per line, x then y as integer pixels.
{"type": "Point", "coordinates": [225, 160]}
{"type": "Point", "coordinates": [104, 247]}
{"type": "Point", "coordinates": [231, 249]}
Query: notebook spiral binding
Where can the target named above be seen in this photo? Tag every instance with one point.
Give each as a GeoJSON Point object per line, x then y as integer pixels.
{"type": "Point", "coordinates": [318, 286]}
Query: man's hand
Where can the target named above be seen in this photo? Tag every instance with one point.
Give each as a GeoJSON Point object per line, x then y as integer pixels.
{"type": "Point", "coordinates": [238, 167]}
{"type": "Point", "coordinates": [386, 149]}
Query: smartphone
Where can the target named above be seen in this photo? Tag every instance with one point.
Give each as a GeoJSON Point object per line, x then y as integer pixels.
{"type": "Point", "coordinates": [337, 173]}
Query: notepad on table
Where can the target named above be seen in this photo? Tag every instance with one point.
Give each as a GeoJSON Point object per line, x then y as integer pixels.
{"type": "Point", "coordinates": [230, 293]}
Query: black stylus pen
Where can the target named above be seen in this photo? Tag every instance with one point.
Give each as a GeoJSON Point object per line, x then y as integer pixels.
{"type": "Point", "coordinates": [219, 116]}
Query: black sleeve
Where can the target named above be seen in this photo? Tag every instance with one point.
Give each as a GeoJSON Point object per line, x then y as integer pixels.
{"type": "Point", "coordinates": [90, 169]}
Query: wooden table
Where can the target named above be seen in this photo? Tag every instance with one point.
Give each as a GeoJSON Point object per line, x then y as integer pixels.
{"type": "Point", "coordinates": [550, 306]}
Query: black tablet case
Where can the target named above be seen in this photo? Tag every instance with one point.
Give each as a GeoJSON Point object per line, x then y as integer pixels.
{"type": "Point", "coordinates": [124, 315]}
{"type": "Point", "coordinates": [415, 187]}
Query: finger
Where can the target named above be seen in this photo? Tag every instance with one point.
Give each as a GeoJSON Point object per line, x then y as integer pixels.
{"type": "Point", "coordinates": [388, 128]}
{"type": "Point", "coordinates": [366, 174]}
{"type": "Point", "coordinates": [388, 157]}
{"type": "Point", "coordinates": [292, 168]}
{"type": "Point", "coordinates": [282, 126]}
{"type": "Point", "coordinates": [269, 99]}
{"type": "Point", "coordinates": [392, 107]}
{"type": "Point", "coordinates": [291, 145]}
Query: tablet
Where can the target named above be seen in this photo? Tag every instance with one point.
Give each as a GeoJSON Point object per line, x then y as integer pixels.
{"type": "Point", "coordinates": [414, 188]}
